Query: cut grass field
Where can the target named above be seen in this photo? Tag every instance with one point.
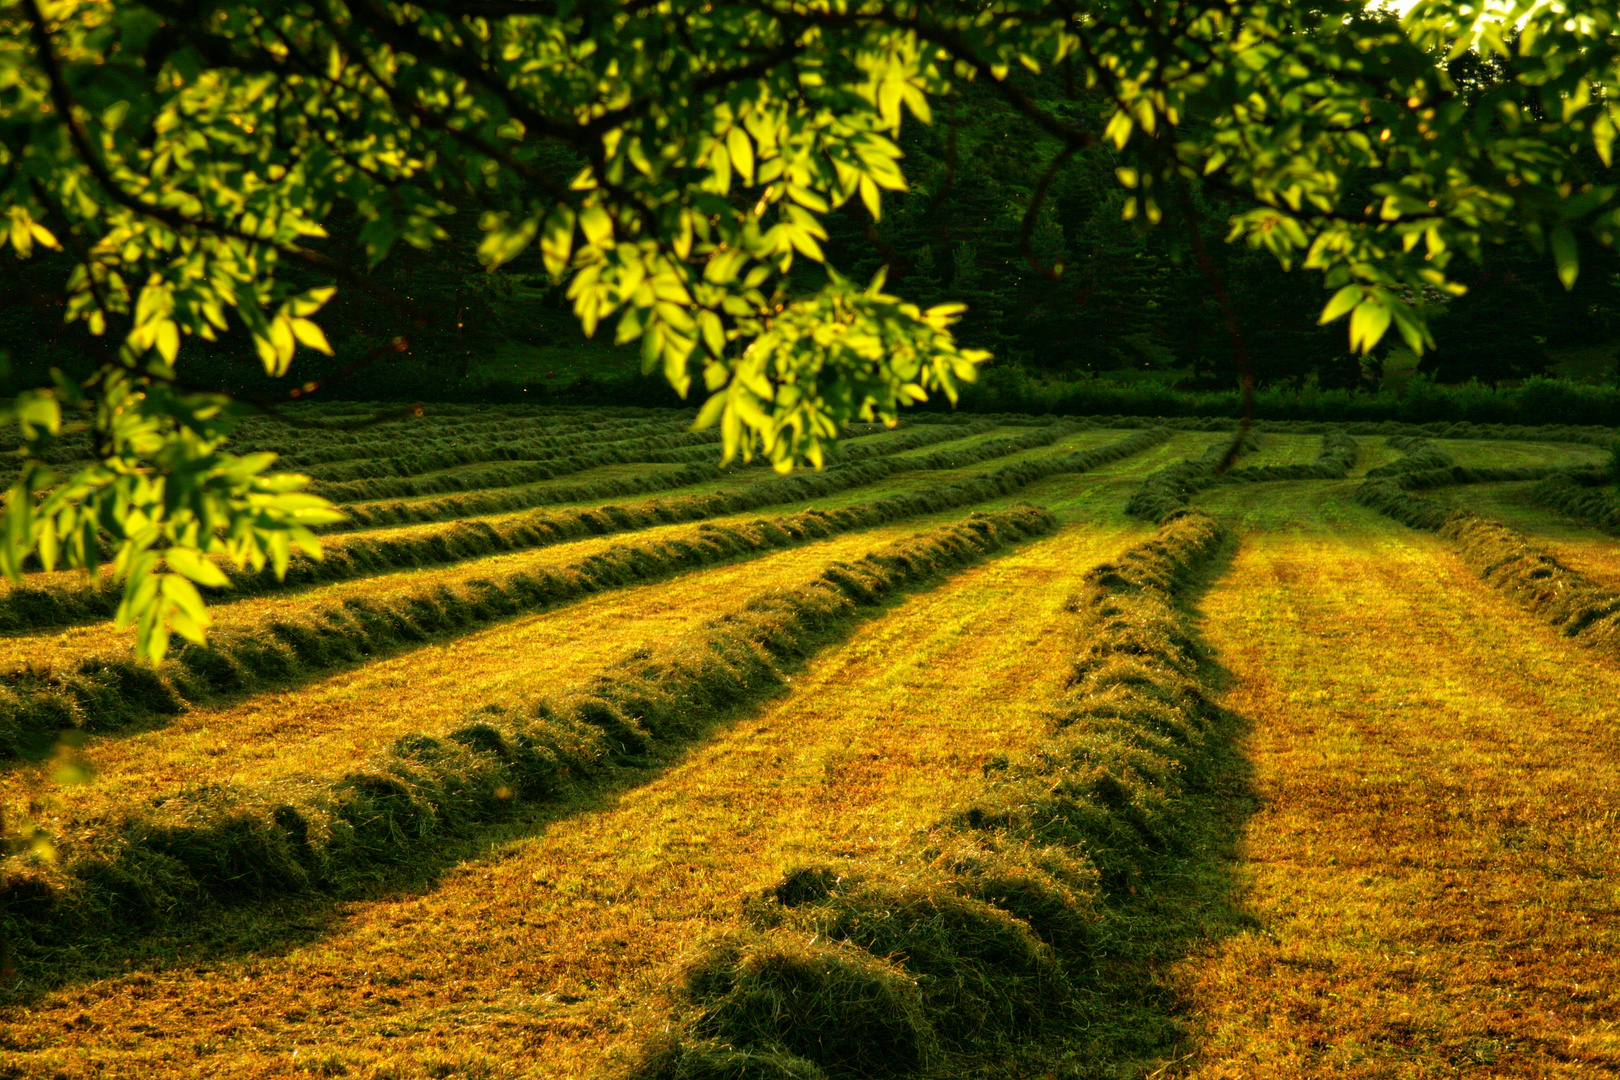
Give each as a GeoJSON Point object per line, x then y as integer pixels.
{"type": "Point", "coordinates": [874, 738]}
{"type": "Point", "coordinates": [1592, 551]}
{"type": "Point", "coordinates": [1430, 874]}
{"type": "Point", "coordinates": [1394, 859]}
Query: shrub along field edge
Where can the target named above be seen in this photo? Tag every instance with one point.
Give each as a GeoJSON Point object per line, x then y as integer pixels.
{"type": "Point", "coordinates": [218, 841]}
{"type": "Point", "coordinates": [985, 936]}
{"type": "Point", "coordinates": [107, 692]}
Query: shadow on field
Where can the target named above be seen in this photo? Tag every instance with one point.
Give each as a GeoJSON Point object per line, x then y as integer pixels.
{"type": "Point", "coordinates": [1133, 1026]}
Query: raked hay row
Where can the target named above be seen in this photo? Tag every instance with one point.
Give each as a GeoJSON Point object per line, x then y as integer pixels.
{"type": "Point", "coordinates": [1003, 746]}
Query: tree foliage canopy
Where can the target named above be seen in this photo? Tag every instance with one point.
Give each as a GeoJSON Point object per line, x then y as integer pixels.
{"type": "Point", "coordinates": [674, 161]}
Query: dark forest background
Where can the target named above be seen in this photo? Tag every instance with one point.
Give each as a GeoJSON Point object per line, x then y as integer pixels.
{"type": "Point", "coordinates": [1132, 307]}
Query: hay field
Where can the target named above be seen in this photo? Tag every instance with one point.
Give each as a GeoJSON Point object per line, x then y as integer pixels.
{"type": "Point", "coordinates": [1003, 747]}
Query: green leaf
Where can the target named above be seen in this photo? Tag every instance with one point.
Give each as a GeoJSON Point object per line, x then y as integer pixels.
{"type": "Point", "coordinates": [557, 240]}
{"type": "Point", "coordinates": [597, 226]}
{"type": "Point", "coordinates": [194, 565]}
{"type": "Point", "coordinates": [1343, 300]}
{"type": "Point", "coordinates": [741, 152]}
{"type": "Point", "coordinates": [1566, 255]}
{"type": "Point", "coordinates": [1368, 323]}
{"type": "Point", "coordinates": [311, 335]}
{"type": "Point", "coordinates": [185, 611]}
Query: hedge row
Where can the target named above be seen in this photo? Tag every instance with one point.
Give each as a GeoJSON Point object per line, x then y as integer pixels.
{"type": "Point", "coordinates": [983, 936]}
{"type": "Point", "coordinates": [345, 558]}
{"type": "Point", "coordinates": [1537, 399]}
{"type": "Point", "coordinates": [223, 841]}
{"type": "Point", "coordinates": [1582, 496]}
{"type": "Point", "coordinates": [107, 692]}
{"type": "Point", "coordinates": [1507, 560]}
{"type": "Point", "coordinates": [1169, 489]}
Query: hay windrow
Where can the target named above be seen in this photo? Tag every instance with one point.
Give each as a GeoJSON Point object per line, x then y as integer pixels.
{"type": "Point", "coordinates": [1582, 496]}
{"type": "Point", "coordinates": [1170, 489]}
{"type": "Point", "coordinates": [377, 515]}
{"type": "Point", "coordinates": [993, 917]}
{"type": "Point", "coordinates": [1424, 465]}
{"type": "Point", "coordinates": [1580, 608]}
{"type": "Point", "coordinates": [509, 464]}
{"type": "Point", "coordinates": [106, 692]}
{"type": "Point", "coordinates": [224, 841]}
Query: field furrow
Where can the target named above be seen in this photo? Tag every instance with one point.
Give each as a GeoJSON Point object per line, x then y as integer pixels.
{"type": "Point", "coordinates": [529, 956]}
{"type": "Point", "coordinates": [1430, 873]}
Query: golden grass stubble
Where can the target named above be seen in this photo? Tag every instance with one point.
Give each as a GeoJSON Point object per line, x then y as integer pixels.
{"type": "Point", "coordinates": [531, 948]}
{"type": "Point", "coordinates": [1580, 608]}
{"type": "Point", "coordinates": [108, 691]}
{"type": "Point", "coordinates": [1430, 872]}
{"type": "Point", "coordinates": [223, 841]}
{"type": "Point", "coordinates": [980, 940]}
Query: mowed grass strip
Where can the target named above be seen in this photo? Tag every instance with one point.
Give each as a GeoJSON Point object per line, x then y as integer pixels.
{"type": "Point", "coordinates": [410, 460]}
{"type": "Point", "coordinates": [243, 841]}
{"type": "Point", "coordinates": [1430, 873]}
{"type": "Point", "coordinates": [1510, 453]}
{"type": "Point", "coordinates": [529, 958]}
{"type": "Point", "coordinates": [262, 649]}
{"type": "Point", "coordinates": [373, 515]}
{"type": "Point", "coordinates": [981, 950]}
{"type": "Point", "coordinates": [1583, 609]}
{"type": "Point", "coordinates": [582, 535]}
{"type": "Point", "coordinates": [1276, 448]}
{"type": "Point", "coordinates": [1576, 542]}
{"type": "Point", "coordinates": [742, 536]}
{"type": "Point", "coordinates": [345, 717]}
